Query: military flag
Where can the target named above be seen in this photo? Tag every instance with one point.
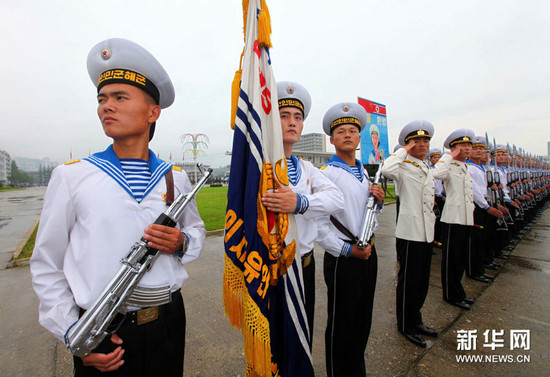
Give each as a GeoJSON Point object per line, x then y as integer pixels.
{"type": "Point", "coordinates": [263, 290]}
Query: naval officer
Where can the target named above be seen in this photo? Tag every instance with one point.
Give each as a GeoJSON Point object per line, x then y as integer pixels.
{"type": "Point", "coordinates": [415, 227]}
{"type": "Point", "coordinates": [97, 208]}
{"type": "Point", "coordinates": [457, 216]}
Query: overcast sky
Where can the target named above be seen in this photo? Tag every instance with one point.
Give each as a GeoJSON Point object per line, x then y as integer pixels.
{"type": "Point", "coordinates": [484, 65]}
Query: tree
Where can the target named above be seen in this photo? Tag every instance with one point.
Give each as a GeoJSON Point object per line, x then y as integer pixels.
{"type": "Point", "coordinates": [19, 177]}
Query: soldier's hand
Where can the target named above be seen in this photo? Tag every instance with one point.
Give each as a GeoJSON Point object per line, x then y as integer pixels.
{"type": "Point", "coordinates": [454, 153]}
{"type": "Point", "coordinates": [503, 209]}
{"type": "Point", "coordinates": [164, 238]}
{"type": "Point", "coordinates": [410, 145]}
{"type": "Point", "coordinates": [106, 362]}
{"type": "Point", "coordinates": [513, 203]}
{"type": "Point", "coordinates": [361, 253]}
{"type": "Point", "coordinates": [378, 193]}
{"type": "Point", "coordinates": [495, 212]}
{"type": "Point", "coordinates": [282, 200]}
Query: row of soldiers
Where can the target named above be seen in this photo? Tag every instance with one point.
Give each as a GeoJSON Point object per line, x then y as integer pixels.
{"type": "Point", "coordinates": [111, 196]}
{"type": "Point", "coordinates": [483, 198]}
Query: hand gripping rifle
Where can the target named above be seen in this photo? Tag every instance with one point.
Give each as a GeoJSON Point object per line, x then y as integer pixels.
{"type": "Point", "coordinates": [493, 194]}
{"type": "Point", "coordinates": [496, 177]}
{"type": "Point", "coordinates": [88, 332]}
{"type": "Point", "coordinates": [367, 227]}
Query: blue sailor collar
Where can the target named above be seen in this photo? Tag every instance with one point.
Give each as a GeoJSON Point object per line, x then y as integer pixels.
{"type": "Point", "coordinates": [479, 166]}
{"type": "Point", "coordinates": [339, 163]}
{"type": "Point", "coordinates": [109, 162]}
{"type": "Point", "coordinates": [298, 169]}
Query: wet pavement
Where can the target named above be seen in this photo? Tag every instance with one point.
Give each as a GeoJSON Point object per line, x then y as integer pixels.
{"type": "Point", "coordinates": [18, 211]}
{"type": "Point", "coordinates": [518, 299]}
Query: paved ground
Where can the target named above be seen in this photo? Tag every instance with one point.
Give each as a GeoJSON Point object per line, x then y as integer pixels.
{"type": "Point", "coordinates": [517, 299]}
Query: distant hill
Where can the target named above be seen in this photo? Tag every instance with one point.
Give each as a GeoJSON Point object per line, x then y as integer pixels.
{"type": "Point", "coordinates": [32, 165]}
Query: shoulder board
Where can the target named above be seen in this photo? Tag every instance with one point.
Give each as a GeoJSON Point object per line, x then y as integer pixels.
{"type": "Point", "coordinates": [393, 154]}
{"type": "Point", "coordinates": [177, 168]}
{"type": "Point", "coordinates": [455, 163]}
{"type": "Point", "coordinates": [412, 162]}
{"type": "Point", "coordinates": [323, 167]}
{"type": "Point", "coordinates": [71, 162]}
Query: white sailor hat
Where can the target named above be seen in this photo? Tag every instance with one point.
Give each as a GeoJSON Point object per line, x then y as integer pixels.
{"type": "Point", "coordinates": [118, 60]}
{"type": "Point", "coordinates": [416, 129]}
{"type": "Point", "coordinates": [344, 113]}
{"type": "Point", "coordinates": [460, 136]}
{"type": "Point", "coordinates": [479, 141]}
{"type": "Point", "coordinates": [292, 94]}
{"type": "Point", "coordinates": [501, 148]}
{"type": "Point", "coordinates": [374, 129]}
{"type": "Point", "coordinates": [434, 151]}
{"type": "Point", "coordinates": [397, 147]}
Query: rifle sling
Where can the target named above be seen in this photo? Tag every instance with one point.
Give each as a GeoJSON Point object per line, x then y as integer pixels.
{"type": "Point", "coordinates": [169, 187]}
{"type": "Point", "coordinates": [343, 229]}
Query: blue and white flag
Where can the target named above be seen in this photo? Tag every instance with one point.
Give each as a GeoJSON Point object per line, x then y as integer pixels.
{"type": "Point", "coordinates": [263, 285]}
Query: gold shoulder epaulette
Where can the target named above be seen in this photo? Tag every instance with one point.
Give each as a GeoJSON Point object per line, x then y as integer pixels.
{"type": "Point", "coordinates": [323, 167]}
{"type": "Point", "coordinates": [174, 167]}
{"type": "Point", "coordinates": [71, 162]}
{"type": "Point", "coordinates": [393, 154]}
{"type": "Point", "coordinates": [412, 162]}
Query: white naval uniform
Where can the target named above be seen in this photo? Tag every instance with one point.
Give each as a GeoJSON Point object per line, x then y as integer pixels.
{"type": "Point", "coordinates": [414, 233]}
{"type": "Point", "coordinates": [88, 224]}
{"type": "Point", "coordinates": [459, 203]}
{"type": "Point", "coordinates": [356, 194]}
{"type": "Point", "coordinates": [351, 282]}
{"type": "Point", "coordinates": [458, 218]}
{"type": "Point", "coordinates": [479, 181]}
{"type": "Point", "coordinates": [324, 199]}
{"type": "Point", "coordinates": [416, 217]}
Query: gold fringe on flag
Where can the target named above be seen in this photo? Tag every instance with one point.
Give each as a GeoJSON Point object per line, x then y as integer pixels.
{"type": "Point", "coordinates": [243, 313]}
{"type": "Point", "coordinates": [235, 92]}
{"type": "Point", "coordinates": [264, 27]}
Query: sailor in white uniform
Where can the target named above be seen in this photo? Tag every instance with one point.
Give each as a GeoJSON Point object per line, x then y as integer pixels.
{"type": "Point", "coordinates": [415, 227]}
{"type": "Point", "coordinates": [458, 215]}
{"type": "Point", "coordinates": [350, 273]}
{"type": "Point", "coordinates": [439, 192]}
{"type": "Point", "coordinates": [97, 208]}
{"type": "Point", "coordinates": [309, 195]}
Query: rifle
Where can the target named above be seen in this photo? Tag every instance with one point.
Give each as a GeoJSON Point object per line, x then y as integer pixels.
{"type": "Point", "coordinates": [367, 227]}
{"type": "Point", "coordinates": [95, 324]}
{"type": "Point", "coordinates": [492, 194]}
{"type": "Point", "coordinates": [507, 216]}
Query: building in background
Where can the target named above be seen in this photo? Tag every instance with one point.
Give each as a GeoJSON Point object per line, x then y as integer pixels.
{"type": "Point", "coordinates": [318, 159]}
{"type": "Point", "coordinates": [313, 142]}
{"type": "Point", "coordinates": [5, 167]}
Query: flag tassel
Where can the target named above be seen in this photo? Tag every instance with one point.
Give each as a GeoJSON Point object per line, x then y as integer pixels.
{"type": "Point", "coordinates": [244, 314]}
{"type": "Point", "coordinates": [264, 26]}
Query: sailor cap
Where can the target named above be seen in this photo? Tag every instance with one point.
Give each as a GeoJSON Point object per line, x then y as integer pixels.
{"type": "Point", "coordinates": [479, 141]}
{"type": "Point", "coordinates": [460, 136]}
{"type": "Point", "coordinates": [416, 129]}
{"type": "Point", "coordinates": [434, 151]}
{"type": "Point", "coordinates": [119, 60]}
{"type": "Point", "coordinates": [292, 94]}
{"type": "Point", "coordinates": [344, 113]}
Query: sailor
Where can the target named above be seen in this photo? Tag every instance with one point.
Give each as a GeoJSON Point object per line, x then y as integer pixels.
{"type": "Point", "coordinates": [439, 191]}
{"type": "Point", "coordinates": [397, 203]}
{"type": "Point", "coordinates": [97, 208]}
{"type": "Point", "coordinates": [457, 216]}
{"type": "Point", "coordinates": [309, 194]}
{"type": "Point", "coordinates": [415, 227]}
{"type": "Point", "coordinates": [349, 271]}
{"type": "Point", "coordinates": [484, 213]}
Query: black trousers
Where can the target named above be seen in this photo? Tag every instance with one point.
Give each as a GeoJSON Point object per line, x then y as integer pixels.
{"type": "Point", "coordinates": [478, 244]}
{"type": "Point", "coordinates": [308, 273]}
{"type": "Point", "coordinates": [456, 245]}
{"type": "Point", "coordinates": [350, 284]}
{"type": "Point", "coordinates": [152, 349]}
{"type": "Point", "coordinates": [413, 279]}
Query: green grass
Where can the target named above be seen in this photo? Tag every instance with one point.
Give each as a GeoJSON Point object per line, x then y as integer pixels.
{"type": "Point", "coordinates": [211, 202]}
{"type": "Point", "coordinates": [9, 188]}
{"type": "Point", "coordinates": [26, 252]}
